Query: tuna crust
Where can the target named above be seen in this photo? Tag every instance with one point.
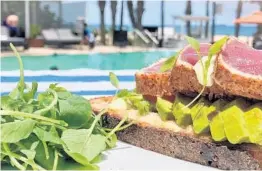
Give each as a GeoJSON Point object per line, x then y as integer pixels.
{"type": "Point", "coordinates": [236, 83]}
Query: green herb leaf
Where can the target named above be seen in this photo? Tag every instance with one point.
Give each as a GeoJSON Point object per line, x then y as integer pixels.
{"type": "Point", "coordinates": [170, 62]}
{"type": "Point", "coordinates": [31, 94]}
{"type": "Point", "coordinates": [30, 154]}
{"type": "Point", "coordinates": [48, 136]}
{"type": "Point", "coordinates": [13, 132]}
{"type": "Point", "coordinates": [213, 50]}
{"type": "Point", "coordinates": [114, 80]}
{"type": "Point", "coordinates": [143, 107]}
{"type": "Point", "coordinates": [14, 94]}
{"type": "Point", "coordinates": [75, 111]}
{"type": "Point", "coordinates": [217, 46]}
{"type": "Point", "coordinates": [77, 141]}
{"type": "Point", "coordinates": [194, 43]}
{"type": "Point", "coordinates": [5, 102]}
{"type": "Point", "coordinates": [112, 141]}
{"type": "Point", "coordinates": [21, 84]}
{"type": "Point", "coordinates": [123, 93]}
{"type": "Point", "coordinates": [82, 160]}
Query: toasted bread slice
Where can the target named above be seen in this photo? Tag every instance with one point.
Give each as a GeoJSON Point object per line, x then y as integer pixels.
{"type": "Point", "coordinates": [167, 138]}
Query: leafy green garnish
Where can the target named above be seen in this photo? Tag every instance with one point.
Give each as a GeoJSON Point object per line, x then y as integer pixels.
{"type": "Point", "coordinates": [135, 101]}
{"type": "Point", "coordinates": [213, 50]}
{"type": "Point", "coordinates": [54, 131]}
{"type": "Point", "coordinates": [13, 132]}
{"type": "Point", "coordinates": [193, 43]}
{"type": "Point", "coordinates": [170, 62]}
{"type": "Point", "coordinates": [114, 80]}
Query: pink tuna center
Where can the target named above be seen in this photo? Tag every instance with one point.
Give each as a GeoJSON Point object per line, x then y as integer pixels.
{"type": "Point", "coordinates": [190, 55]}
{"type": "Point", "coordinates": [155, 67]}
{"type": "Point", "coordinates": [243, 58]}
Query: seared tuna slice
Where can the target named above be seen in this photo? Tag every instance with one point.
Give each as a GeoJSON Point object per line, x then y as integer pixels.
{"type": "Point", "coordinates": [239, 70]}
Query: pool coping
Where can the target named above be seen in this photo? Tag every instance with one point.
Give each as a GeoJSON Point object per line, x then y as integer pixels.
{"type": "Point", "coordinates": [74, 51]}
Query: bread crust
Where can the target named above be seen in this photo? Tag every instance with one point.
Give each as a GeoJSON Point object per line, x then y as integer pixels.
{"type": "Point", "coordinates": [183, 145]}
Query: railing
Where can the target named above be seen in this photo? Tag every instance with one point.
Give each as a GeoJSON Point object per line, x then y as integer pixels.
{"type": "Point", "coordinates": [151, 37]}
{"type": "Point", "coordinates": [142, 36]}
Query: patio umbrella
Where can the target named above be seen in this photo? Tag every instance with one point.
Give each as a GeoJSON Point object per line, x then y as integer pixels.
{"type": "Point", "coordinates": [255, 18]}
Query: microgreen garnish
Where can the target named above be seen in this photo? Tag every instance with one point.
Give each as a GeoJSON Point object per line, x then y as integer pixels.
{"type": "Point", "coordinates": [213, 50]}
{"type": "Point", "coordinates": [114, 80]}
{"type": "Point", "coordinates": [196, 46]}
{"type": "Point", "coordinates": [170, 62]}
{"type": "Point", "coordinates": [56, 130]}
{"type": "Point", "coordinates": [132, 99]}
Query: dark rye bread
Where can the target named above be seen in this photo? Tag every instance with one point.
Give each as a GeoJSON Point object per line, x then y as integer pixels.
{"type": "Point", "coordinates": [181, 143]}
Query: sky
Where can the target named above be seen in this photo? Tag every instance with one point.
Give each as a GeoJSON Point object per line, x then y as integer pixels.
{"type": "Point", "coordinates": [152, 11]}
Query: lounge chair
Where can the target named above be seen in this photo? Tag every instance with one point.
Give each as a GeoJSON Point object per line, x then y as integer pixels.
{"type": "Point", "coordinates": [67, 37]}
{"type": "Point", "coordinates": [6, 39]}
{"type": "Point", "coordinates": [60, 37]}
{"type": "Point", "coordinates": [51, 37]}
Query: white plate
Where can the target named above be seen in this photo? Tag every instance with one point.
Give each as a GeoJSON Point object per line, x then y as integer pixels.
{"type": "Point", "coordinates": [128, 157]}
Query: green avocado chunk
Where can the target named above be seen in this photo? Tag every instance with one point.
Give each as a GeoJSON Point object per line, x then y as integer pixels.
{"type": "Point", "coordinates": [224, 126]}
{"type": "Point", "coordinates": [234, 122]}
{"type": "Point", "coordinates": [164, 108]}
{"type": "Point", "coordinates": [199, 116]}
{"type": "Point", "coordinates": [181, 111]}
{"type": "Point", "coordinates": [216, 122]}
{"type": "Point", "coordinates": [253, 119]}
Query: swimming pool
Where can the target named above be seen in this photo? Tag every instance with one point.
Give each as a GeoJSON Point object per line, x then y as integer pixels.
{"type": "Point", "coordinates": [85, 75]}
{"type": "Point", "coordinates": [109, 61]}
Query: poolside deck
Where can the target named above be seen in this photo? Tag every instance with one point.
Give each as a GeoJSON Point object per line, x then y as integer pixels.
{"type": "Point", "coordinates": [75, 50]}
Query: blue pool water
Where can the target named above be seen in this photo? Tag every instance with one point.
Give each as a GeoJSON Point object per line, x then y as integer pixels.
{"type": "Point", "coordinates": [110, 61]}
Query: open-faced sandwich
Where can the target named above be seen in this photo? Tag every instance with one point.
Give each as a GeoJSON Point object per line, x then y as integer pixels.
{"type": "Point", "coordinates": [206, 111]}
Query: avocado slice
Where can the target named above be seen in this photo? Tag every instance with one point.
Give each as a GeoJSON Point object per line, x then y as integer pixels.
{"type": "Point", "coordinates": [217, 122]}
{"type": "Point", "coordinates": [234, 122]}
{"type": "Point", "coordinates": [181, 111]}
{"type": "Point", "coordinates": [164, 108]}
{"type": "Point", "coordinates": [199, 116]}
{"type": "Point", "coordinates": [217, 128]}
{"type": "Point", "coordinates": [253, 119]}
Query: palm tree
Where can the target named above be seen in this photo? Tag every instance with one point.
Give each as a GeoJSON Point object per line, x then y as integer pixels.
{"type": "Point", "coordinates": [140, 11]}
{"type": "Point", "coordinates": [60, 17]}
{"type": "Point", "coordinates": [131, 13]}
{"type": "Point", "coordinates": [102, 4]}
{"type": "Point", "coordinates": [122, 15]}
{"type": "Point", "coordinates": [136, 19]}
{"type": "Point", "coordinates": [207, 23]}
{"type": "Point", "coordinates": [238, 14]}
{"type": "Point", "coordinates": [188, 12]}
{"type": "Point", "coordinates": [113, 11]}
